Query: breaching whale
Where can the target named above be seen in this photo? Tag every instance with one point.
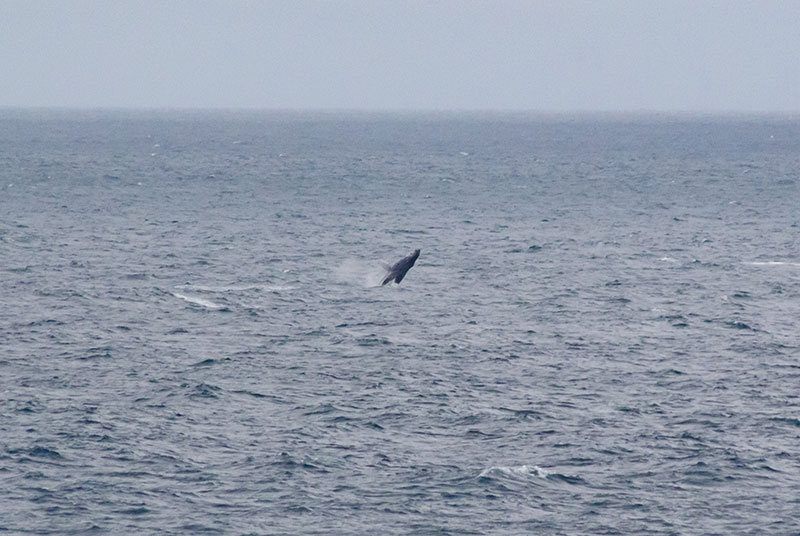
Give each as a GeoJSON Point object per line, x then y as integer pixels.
{"type": "Point", "coordinates": [398, 270]}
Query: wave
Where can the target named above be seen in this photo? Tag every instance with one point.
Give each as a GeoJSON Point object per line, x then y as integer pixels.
{"type": "Point", "coordinates": [199, 301]}
{"type": "Point", "coordinates": [515, 471]}
{"type": "Point", "coordinates": [772, 263]}
{"type": "Point", "coordinates": [527, 474]}
{"type": "Point", "coordinates": [236, 288]}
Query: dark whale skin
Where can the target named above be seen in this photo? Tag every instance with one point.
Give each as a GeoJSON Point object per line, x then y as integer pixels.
{"type": "Point", "coordinates": [399, 269]}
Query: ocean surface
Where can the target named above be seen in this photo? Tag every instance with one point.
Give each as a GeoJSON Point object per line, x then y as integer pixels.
{"type": "Point", "coordinates": [601, 334]}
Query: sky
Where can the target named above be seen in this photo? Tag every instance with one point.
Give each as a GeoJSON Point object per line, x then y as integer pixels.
{"type": "Point", "coordinates": [559, 55]}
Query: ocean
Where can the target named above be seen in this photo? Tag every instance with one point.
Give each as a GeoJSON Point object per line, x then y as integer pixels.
{"type": "Point", "coordinates": [600, 335]}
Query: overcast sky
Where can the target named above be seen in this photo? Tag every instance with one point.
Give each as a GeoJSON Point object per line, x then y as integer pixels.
{"type": "Point", "coordinates": [573, 55]}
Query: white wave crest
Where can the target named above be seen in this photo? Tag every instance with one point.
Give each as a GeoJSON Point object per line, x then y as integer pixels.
{"type": "Point", "coordinates": [198, 301]}
{"type": "Point", "coordinates": [773, 263]}
{"type": "Point", "coordinates": [519, 470]}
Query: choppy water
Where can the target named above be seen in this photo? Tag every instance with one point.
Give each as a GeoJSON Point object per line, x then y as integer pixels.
{"type": "Point", "coordinates": [600, 336]}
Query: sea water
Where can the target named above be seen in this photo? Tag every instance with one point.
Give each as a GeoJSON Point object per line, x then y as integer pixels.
{"type": "Point", "coordinates": [600, 335]}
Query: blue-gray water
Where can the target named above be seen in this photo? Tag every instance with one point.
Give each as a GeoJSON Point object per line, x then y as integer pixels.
{"type": "Point", "coordinates": [599, 337]}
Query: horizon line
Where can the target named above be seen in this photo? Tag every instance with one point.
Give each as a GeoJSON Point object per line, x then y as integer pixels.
{"type": "Point", "coordinates": [344, 110]}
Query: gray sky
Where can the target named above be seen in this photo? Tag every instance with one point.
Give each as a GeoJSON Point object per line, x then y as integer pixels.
{"type": "Point", "coordinates": [559, 55]}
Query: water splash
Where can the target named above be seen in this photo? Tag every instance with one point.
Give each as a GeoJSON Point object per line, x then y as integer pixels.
{"type": "Point", "coordinates": [360, 272]}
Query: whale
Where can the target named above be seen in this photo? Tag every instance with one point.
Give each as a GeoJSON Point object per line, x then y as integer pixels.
{"type": "Point", "coordinates": [398, 270]}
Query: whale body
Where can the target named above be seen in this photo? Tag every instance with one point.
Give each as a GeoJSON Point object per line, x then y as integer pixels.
{"type": "Point", "coordinates": [398, 270]}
